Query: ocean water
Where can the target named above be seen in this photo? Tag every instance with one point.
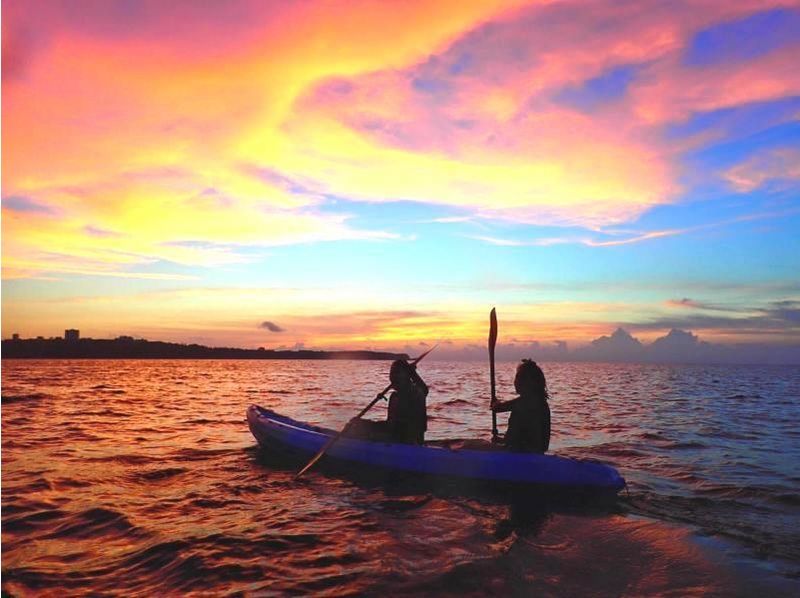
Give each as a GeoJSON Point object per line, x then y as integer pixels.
{"type": "Point", "coordinates": [135, 477]}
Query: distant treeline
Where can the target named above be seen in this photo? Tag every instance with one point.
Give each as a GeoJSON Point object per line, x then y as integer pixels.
{"type": "Point", "coordinates": [87, 348]}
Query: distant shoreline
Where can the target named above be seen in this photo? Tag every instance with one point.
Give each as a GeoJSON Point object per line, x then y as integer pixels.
{"type": "Point", "coordinates": [128, 348]}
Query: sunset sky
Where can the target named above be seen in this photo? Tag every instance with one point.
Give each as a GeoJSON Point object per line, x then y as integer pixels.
{"type": "Point", "coordinates": [341, 174]}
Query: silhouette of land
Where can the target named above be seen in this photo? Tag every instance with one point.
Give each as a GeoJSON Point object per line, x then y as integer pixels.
{"type": "Point", "coordinates": [129, 348]}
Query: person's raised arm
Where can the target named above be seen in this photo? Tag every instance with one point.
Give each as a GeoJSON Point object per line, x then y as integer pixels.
{"type": "Point", "coordinates": [418, 381]}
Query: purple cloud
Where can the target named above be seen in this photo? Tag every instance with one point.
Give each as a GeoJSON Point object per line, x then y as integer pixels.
{"type": "Point", "coordinates": [95, 231]}
{"type": "Point", "coordinates": [19, 203]}
{"type": "Point", "coordinates": [271, 326]}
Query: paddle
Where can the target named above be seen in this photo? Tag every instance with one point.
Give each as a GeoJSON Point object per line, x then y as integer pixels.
{"type": "Point", "coordinates": [336, 437]}
{"type": "Point", "coordinates": [492, 343]}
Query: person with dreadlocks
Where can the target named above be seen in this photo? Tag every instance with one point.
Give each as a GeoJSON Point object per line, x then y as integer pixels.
{"type": "Point", "coordinates": [529, 423]}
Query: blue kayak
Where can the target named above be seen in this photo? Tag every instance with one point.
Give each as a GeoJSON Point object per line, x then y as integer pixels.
{"type": "Point", "coordinates": [277, 432]}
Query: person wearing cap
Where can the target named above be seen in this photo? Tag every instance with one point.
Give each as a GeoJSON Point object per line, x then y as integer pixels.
{"type": "Point", "coordinates": [407, 418]}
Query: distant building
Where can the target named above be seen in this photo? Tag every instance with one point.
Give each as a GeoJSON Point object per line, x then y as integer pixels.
{"type": "Point", "coordinates": [15, 337]}
{"type": "Point", "coordinates": [71, 334]}
{"type": "Point", "coordinates": [125, 339]}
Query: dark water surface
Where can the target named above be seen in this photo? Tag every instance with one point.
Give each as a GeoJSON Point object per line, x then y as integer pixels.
{"type": "Point", "coordinates": [137, 477]}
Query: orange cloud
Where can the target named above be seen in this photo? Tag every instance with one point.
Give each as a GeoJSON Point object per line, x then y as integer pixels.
{"type": "Point", "coordinates": [125, 120]}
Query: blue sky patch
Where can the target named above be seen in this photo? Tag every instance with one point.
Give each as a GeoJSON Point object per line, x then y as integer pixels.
{"type": "Point", "coordinates": [607, 87]}
{"type": "Point", "coordinates": [744, 39]}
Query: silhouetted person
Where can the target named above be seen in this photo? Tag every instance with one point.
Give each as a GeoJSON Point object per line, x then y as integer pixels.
{"type": "Point", "coordinates": [407, 419]}
{"type": "Point", "coordinates": [408, 415]}
{"type": "Point", "coordinates": [529, 423]}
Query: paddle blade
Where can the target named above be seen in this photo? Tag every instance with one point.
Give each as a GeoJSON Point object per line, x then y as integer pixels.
{"type": "Point", "coordinates": [317, 457]}
{"type": "Point", "coordinates": [492, 330]}
{"type": "Point", "coordinates": [492, 343]}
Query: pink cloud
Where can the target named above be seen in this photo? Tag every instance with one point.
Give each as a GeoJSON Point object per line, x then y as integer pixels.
{"type": "Point", "coordinates": [685, 302]}
{"type": "Point", "coordinates": [492, 97]}
{"type": "Point", "coordinates": [780, 164]}
{"type": "Point", "coordinates": [670, 92]}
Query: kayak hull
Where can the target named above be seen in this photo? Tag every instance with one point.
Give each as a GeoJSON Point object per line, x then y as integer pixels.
{"type": "Point", "coordinates": [280, 433]}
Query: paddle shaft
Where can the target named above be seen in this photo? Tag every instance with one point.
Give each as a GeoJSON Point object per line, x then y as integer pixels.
{"type": "Point", "coordinates": [492, 343]}
{"type": "Point", "coordinates": [420, 358]}
{"type": "Point", "coordinates": [336, 437]}
{"type": "Point", "coordinates": [368, 407]}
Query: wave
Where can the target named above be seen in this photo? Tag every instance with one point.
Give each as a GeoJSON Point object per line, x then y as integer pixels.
{"type": "Point", "coordinates": [653, 436]}
{"type": "Point", "coordinates": [617, 450]}
{"type": "Point", "coordinates": [8, 399]}
{"type": "Point", "coordinates": [195, 454]}
{"type": "Point", "coordinates": [104, 413]}
{"type": "Point", "coordinates": [90, 523]}
{"type": "Point", "coordinates": [157, 475]}
{"type": "Point", "coordinates": [457, 402]}
{"type": "Point", "coordinates": [124, 459]}
{"type": "Point", "coordinates": [730, 512]}
{"type": "Point", "coordinates": [751, 496]}
{"type": "Point", "coordinates": [788, 498]}
{"type": "Point", "coordinates": [211, 503]}
{"type": "Point", "coordinates": [156, 556]}
{"type": "Point", "coordinates": [32, 521]}
{"type": "Point", "coordinates": [691, 444]}
{"type": "Point", "coordinates": [109, 389]}
{"type": "Point", "coordinates": [404, 505]}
